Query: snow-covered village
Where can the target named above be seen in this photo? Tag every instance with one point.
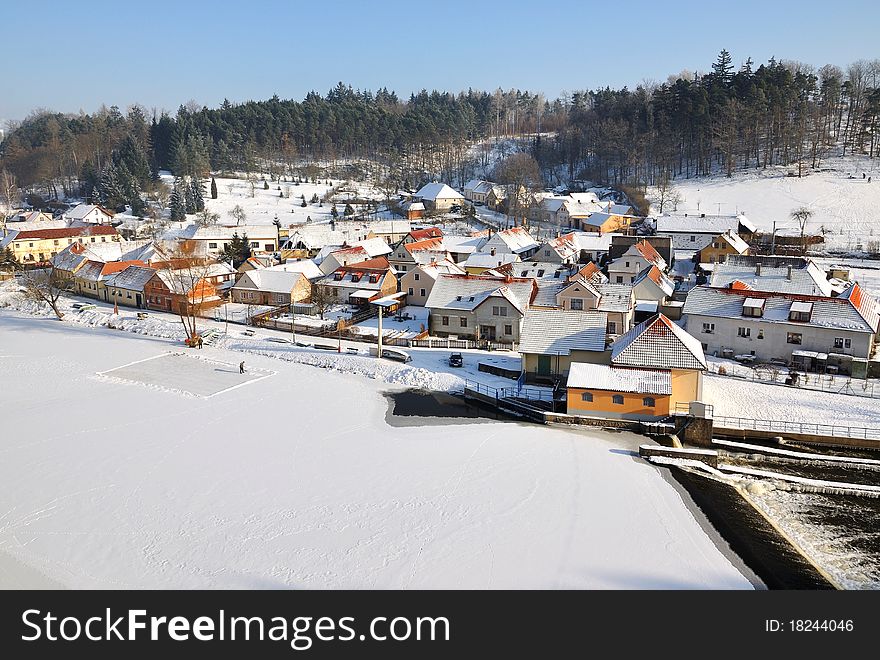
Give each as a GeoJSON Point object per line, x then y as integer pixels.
{"type": "Point", "coordinates": [449, 340]}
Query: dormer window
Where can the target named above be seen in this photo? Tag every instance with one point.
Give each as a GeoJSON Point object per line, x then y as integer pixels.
{"type": "Point", "coordinates": [374, 277]}
{"type": "Point", "coordinates": [337, 276]}
{"type": "Point", "coordinates": [800, 312]}
{"type": "Point", "coordinates": [356, 277]}
{"type": "Point", "coordinates": [753, 307]}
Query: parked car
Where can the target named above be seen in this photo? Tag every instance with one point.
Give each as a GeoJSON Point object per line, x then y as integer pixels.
{"type": "Point", "coordinates": [396, 354]}
{"type": "Point", "coordinates": [278, 340]}
{"type": "Point", "coordinates": [778, 362]}
{"type": "Point", "coordinates": [456, 360]}
{"type": "Point", "coordinates": [746, 358]}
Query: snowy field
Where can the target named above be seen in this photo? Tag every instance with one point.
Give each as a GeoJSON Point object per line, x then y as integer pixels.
{"type": "Point", "coordinates": [297, 481]}
{"type": "Point", "coordinates": [849, 209]}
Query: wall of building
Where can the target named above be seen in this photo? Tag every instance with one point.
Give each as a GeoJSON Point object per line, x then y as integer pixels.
{"type": "Point", "coordinates": [774, 343]}
{"type": "Point", "coordinates": [530, 361]}
{"type": "Point", "coordinates": [408, 281]}
{"type": "Point", "coordinates": [687, 386]}
{"type": "Point", "coordinates": [602, 405]}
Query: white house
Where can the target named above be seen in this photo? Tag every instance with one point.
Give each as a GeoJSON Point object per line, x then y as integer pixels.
{"type": "Point", "coordinates": [88, 214]}
{"type": "Point", "coordinates": [438, 197]}
{"type": "Point", "coordinates": [694, 231]}
{"type": "Point", "coordinates": [516, 240]}
{"type": "Point", "coordinates": [637, 257]}
{"type": "Point", "coordinates": [418, 282]}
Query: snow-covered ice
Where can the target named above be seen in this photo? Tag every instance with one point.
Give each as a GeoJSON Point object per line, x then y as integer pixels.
{"type": "Point", "coordinates": [297, 481]}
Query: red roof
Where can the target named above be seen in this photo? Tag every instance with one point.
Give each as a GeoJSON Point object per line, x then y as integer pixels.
{"type": "Point", "coordinates": [377, 263]}
{"type": "Point", "coordinates": [116, 266]}
{"type": "Point", "coordinates": [427, 244]}
{"type": "Point", "coordinates": [739, 285]}
{"type": "Point", "coordinates": [589, 270]}
{"type": "Point", "coordinates": [427, 232]}
{"type": "Point", "coordinates": [67, 232]}
{"type": "Point", "coordinates": [648, 251]}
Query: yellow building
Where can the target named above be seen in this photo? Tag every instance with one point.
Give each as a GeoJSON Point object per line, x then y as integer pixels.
{"type": "Point", "coordinates": [655, 368]}
{"type": "Point", "coordinates": [38, 246]}
{"type": "Point", "coordinates": [721, 247]}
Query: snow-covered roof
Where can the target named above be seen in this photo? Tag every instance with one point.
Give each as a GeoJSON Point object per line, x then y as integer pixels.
{"type": "Point", "coordinates": [556, 331]}
{"type": "Point", "coordinates": [660, 344]}
{"type": "Point", "coordinates": [614, 297]}
{"type": "Point", "coordinates": [375, 247]}
{"type": "Point", "coordinates": [618, 379]}
{"type": "Point", "coordinates": [466, 292]}
{"type": "Point", "coordinates": [132, 278]}
{"type": "Point", "coordinates": [442, 266]}
{"type": "Point", "coordinates": [305, 266]}
{"type": "Point", "coordinates": [516, 240]}
{"type": "Point", "coordinates": [435, 191]}
{"type": "Point", "coordinates": [225, 233]}
{"type": "Point", "coordinates": [695, 223]}
{"type": "Point", "coordinates": [269, 280]}
{"type": "Point", "coordinates": [592, 242]}
{"type": "Point", "coordinates": [488, 260]}
{"type": "Point", "coordinates": [564, 246]}
{"type": "Point", "coordinates": [82, 210]}
{"type": "Point", "coordinates": [540, 270]}
{"type": "Point", "coordinates": [856, 312]}
{"type": "Point", "coordinates": [656, 276]}
{"type": "Point", "coordinates": [777, 274]}
{"type": "Point", "coordinates": [464, 244]}
{"type": "Point", "coordinates": [478, 186]}
{"type": "Point", "coordinates": [733, 239]}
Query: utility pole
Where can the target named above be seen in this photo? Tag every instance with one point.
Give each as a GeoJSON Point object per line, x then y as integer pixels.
{"type": "Point", "coordinates": [292, 319]}
{"type": "Point", "coordinates": [379, 354]}
{"type": "Point", "coordinates": [773, 239]}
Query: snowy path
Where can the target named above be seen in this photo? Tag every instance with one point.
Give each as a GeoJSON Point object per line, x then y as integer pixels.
{"type": "Point", "coordinates": [296, 481]}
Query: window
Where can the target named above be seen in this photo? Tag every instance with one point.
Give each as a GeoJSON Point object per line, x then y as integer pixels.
{"type": "Point", "coordinates": [794, 338]}
{"type": "Point", "coordinates": [495, 310]}
{"type": "Point", "coordinates": [212, 246]}
{"type": "Point", "coordinates": [416, 277]}
{"type": "Point", "coordinates": [587, 396]}
{"type": "Point", "coordinates": [254, 244]}
{"type": "Point", "coordinates": [540, 272]}
{"type": "Point", "coordinates": [103, 239]}
{"type": "Point", "coordinates": [548, 253]}
{"type": "Point", "coordinates": [838, 342]}
{"type": "Point", "coordinates": [409, 291]}
{"type": "Point", "coordinates": [743, 332]}
{"type": "Point", "coordinates": [462, 321]}
{"type": "Point", "coordinates": [55, 242]}
{"type": "Point", "coordinates": [444, 320]}
{"type": "Point", "coordinates": [508, 329]}
{"type": "Point", "coordinates": [708, 328]}
{"type": "Point", "coordinates": [269, 247]}
{"type": "Point", "coordinates": [693, 239]}
{"type": "Point", "coordinates": [627, 264]}
{"type": "Point", "coordinates": [847, 343]}
{"type": "Point", "coordinates": [799, 317]}
{"type": "Point", "coordinates": [619, 279]}
{"type": "Point", "coordinates": [617, 399]}
{"type": "Point", "coordinates": [649, 402]}
{"type": "Point", "coordinates": [760, 334]}
{"type": "Point", "coordinates": [356, 277]}
{"type": "Point", "coordinates": [577, 303]}
{"type": "Point", "coordinates": [374, 278]}
{"type": "Point", "coordinates": [422, 292]}
{"type": "Point", "coordinates": [337, 276]}
{"type": "Point", "coordinates": [612, 328]}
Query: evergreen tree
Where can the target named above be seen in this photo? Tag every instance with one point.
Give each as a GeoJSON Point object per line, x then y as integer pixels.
{"type": "Point", "coordinates": [348, 210]}
{"type": "Point", "coordinates": [197, 195]}
{"type": "Point", "coordinates": [723, 67]}
{"type": "Point", "coordinates": [303, 204]}
{"type": "Point", "coordinates": [265, 185]}
{"type": "Point", "coordinates": [178, 203]}
{"type": "Point", "coordinates": [189, 199]}
{"type": "Point", "coordinates": [213, 188]}
{"type": "Point", "coordinates": [334, 212]}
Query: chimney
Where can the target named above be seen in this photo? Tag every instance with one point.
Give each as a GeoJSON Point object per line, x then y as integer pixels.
{"type": "Point", "coordinates": [758, 268]}
{"type": "Point", "coordinates": [788, 274]}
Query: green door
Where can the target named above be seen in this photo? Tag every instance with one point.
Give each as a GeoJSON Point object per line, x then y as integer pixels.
{"type": "Point", "coordinates": [543, 365]}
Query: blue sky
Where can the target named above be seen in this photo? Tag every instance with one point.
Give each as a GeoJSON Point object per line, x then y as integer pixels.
{"type": "Point", "coordinates": [77, 55]}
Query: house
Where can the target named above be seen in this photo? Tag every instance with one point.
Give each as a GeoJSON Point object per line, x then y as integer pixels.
{"type": "Point", "coordinates": [213, 240]}
{"type": "Point", "coordinates": [359, 283]}
{"type": "Point", "coordinates": [390, 231]}
{"type": "Point", "coordinates": [550, 278]}
{"type": "Point", "coordinates": [654, 368]}
{"type": "Point", "coordinates": [88, 214]}
{"type": "Point", "coordinates": [562, 249]}
{"type": "Point", "coordinates": [76, 255]}
{"type": "Point", "coordinates": [413, 210]}
{"type": "Point", "coordinates": [591, 273]}
{"type": "Point", "coordinates": [548, 210]}
{"type": "Point", "coordinates": [438, 197]}
{"type": "Point", "coordinates": [423, 234]}
{"type": "Point", "coordinates": [405, 255]}
{"type": "Point", "coordinates": [652, 284]}
{"type": "Point", "coordinates": [91, 279]}
{"type": "Point", "coordinates": [256, 262]}
{"type": "Point", "coordinates": [342, 257]}
{"type": "Point", "coordinates": [305, 266]}
{"type": "Point", "coordinates": [480, 262]}
{"type": "Point", "coordinates": [616, 300]}
{"type": "Point", "coordinates": [637, 257]}
{"type": "Point", "coordinates": [516, 240]}
{"type": "Point", "coordinates": [126, 287]}
{"type": "Point", "coordinates": [620, 243]}
{"type": "Point", "coordinates": [695, 231]}
{"type": "Point", "coordinates": [723, 246]}
{"type": "Point", "coordinates": [39, 246]}
{"type": "Point", "coordinates": [271, 287]}
{"type": "Point", "coordinates": [554, 338]}
{"type": "Point", "coordinates": [772, 273]}
{"type": "Point", "coordinates": [496, 198]}
{"type": "Point", "coordinates": [476, 190]}
{"type": "Point", "coordinates": [808, 330]}
{"type": "Point", "coordinates": [178, 290]}
{"type": "Point", "coordinates": [601, 222]}
{"type": "Point", "coordinates": [481, 307]}
{"type": "Point", "coordinates": [307, 240]}
{"type": "Point", "coordinates": [461, 247]}
{"type": "Point", "coordinates": [418, 281]}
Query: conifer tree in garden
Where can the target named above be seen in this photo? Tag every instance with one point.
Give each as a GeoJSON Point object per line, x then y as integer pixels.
{"type": "Point", "coordinates": [178, 203]}
{"type": "Point", "coordinates": [189, 200]}
{"type": "Point", "coordinates": [349, 210]}
{"type": "Point", "coordinates": [334, 212]}
{"type": "Point", "coordinates": [197, 195]}
{"type": "Point", "coordinates": [213, 188]}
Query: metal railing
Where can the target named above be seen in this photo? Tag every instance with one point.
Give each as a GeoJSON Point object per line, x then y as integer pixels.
{"type": "Point", "coordinates": [802, 428]}
{"type": "Point", "coordinates": [806, 380]}
{"type": "Point", "coordinates": [525, 393]}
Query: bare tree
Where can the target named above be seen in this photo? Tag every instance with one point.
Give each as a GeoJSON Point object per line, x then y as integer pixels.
{"type": "Point", "coordinates": [802, 216]}
{"type": "Point", "coordinates": [238, 214]}
{"type": "Point", "coordinates": [322, 299]}
{"type": "Point", "coordinates": [522, 174]}
{"type": "Point", "coordinates": [206, 218]}
{"type": "Point", "coordinates": [46, 285]}
{"type": "Point", "coordinates": [187, 277]}
{"type": "Point", "coordinates": [9, 193]}
{"type": "Point", "coordinates": [667, 194]}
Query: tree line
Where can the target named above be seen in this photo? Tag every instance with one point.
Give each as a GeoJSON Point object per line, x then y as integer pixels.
{"type": "Point", "coordinates": [778, 113]}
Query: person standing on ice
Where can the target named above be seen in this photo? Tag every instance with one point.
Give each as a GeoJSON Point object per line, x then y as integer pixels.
{"type": "Point", "coordinates": [241, 367]}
